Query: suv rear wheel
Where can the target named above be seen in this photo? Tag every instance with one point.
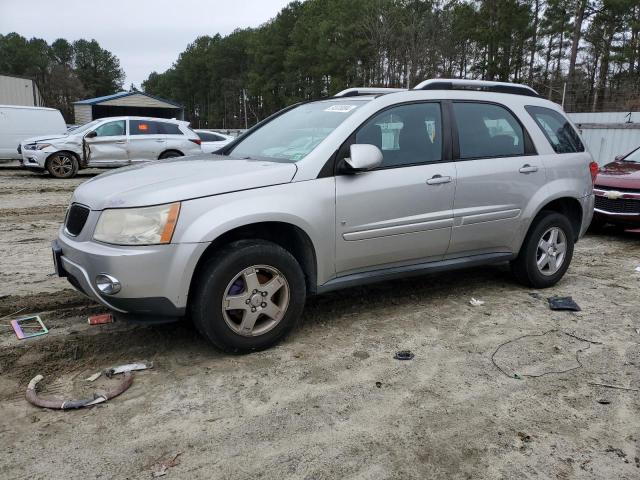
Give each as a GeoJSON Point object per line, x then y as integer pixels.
{"type": "Point", "coordinates": [248, 296]}
{"type": "Point", "coordinates": [546, 252]}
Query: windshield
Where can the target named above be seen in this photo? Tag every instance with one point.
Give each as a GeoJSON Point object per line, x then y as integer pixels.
{"type": "Point", "coordinates": [85, 127]}
{"type": "Point", "coordinates": [294, 134]}
{"type": "Point", "coordinates": [633, 157]}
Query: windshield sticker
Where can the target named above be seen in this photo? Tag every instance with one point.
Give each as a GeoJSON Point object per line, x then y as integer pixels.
{"type": "Point", "coordinates": [340, 108]}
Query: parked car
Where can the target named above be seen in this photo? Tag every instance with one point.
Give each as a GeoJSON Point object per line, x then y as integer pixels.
{"type": "Point", "coordinates": [19, 123]}
{"type": "Point", "coordinates": [448, 175]}
{"type": "Point", "coordinates": [107, 143]}
{"type": "Point", "coordinates": [213, 141]}
{"type": "Point", "coordinates": [617, 192]}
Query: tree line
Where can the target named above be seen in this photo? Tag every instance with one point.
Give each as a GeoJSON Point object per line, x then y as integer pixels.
{"type": "Point", "coordinates": [587, 51]}
{"type": "Point", "coordinates": [65, 72]}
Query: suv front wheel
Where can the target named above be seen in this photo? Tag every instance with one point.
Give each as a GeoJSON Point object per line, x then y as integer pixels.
{"type": "Point", "coordinates": [248, 296]}
{"type": "Point", "coordinates": [546, 252]}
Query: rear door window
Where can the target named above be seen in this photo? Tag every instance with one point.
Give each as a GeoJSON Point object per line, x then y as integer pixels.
{"type": "Point", "coordinates": [145, 127]}
{"type": "Point", "coordinates": [486, 130]}
{"type": "Point", "coordinates": [559, 132]}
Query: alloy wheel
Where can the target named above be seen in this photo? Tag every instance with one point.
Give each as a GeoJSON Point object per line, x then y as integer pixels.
{"type": "Point", "coordinates": [62, 165]}
{"type": "Point", "coordinates": [551, 251]}
{"type": "Point", "coordinates": [255, 301]}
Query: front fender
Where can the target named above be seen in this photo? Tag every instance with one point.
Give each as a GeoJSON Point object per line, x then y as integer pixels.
{"type": "Point", "coordinates": [308, 205]}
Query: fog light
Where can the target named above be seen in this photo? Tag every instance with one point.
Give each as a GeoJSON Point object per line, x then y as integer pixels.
{"type": "Point", "coordinates": [107, 284]}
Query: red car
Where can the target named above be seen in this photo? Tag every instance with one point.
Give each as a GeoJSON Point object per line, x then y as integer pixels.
{"type": "Point", "coordinates": [617, 192]}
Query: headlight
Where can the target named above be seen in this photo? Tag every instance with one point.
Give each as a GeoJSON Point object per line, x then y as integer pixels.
{"type": "Point", "coordinates": [37, 146]}
{"type": "Point", "coordinates": [137, 226]}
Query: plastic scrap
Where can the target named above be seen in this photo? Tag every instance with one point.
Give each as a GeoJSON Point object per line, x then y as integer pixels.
{"type": "Point", "coordinates": [404, 355]}
{"type": "Point", "coordinates": [166, 465]}
{"type": "Point", "coordinates": [563, 303]}
{"type": "Point", "coordinates": [33, 398]}
{"type": "Point", "coordinates": [130, 367]}
{"type": "Point", "coordinates": [21, 324]}
{"type": "Point", "coordinates": [475, 302]}
{"type": "Point", "coordinates": [93, 377]}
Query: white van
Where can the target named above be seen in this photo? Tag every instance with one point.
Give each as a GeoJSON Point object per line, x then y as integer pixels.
{"type": "Point", "coordinates": [18, 123]}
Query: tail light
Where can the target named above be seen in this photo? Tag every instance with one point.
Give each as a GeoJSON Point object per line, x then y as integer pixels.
{"type": "Point", "coordinates": [593, 169]}
{"type": "Point", "coordinates": [197, 141]}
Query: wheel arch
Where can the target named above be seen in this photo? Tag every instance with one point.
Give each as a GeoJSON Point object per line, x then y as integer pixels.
{"type": "Point", "coordinates": [567, 206]}
{"type": "Point", "coordinates": [170, 150]}
{"type": "Point", "coordinates": [290, 237]}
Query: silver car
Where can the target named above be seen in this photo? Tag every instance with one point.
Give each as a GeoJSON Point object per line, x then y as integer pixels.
{"type": "Point", "coordinates": [107, 143]}
{"type": "Point", "coordinates": [365, 186]}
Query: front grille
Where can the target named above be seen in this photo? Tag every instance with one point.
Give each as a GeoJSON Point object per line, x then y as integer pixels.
{"type": "Point", "coordinates": [76, 218]}
{"type": "Point", "coordinates": [619, 205]}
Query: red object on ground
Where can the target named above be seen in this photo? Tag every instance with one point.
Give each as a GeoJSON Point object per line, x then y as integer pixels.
{"type": "Point", "coordinates": [617, 192]}
{"type": "Point", "coordinates": [100, 319]}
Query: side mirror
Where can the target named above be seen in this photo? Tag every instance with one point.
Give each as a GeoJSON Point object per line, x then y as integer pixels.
{"type": "Point", "coordinates": [363, 157]}
{"type": "Point", "coordinates": [618, 158]}
{"type": "Point", "coordinates": [91, 134]}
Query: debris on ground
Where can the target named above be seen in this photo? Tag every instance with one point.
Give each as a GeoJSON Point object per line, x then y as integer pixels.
{"type": "Point", "coordinates": [33, 326]}
{"type": "Point", "coordinates": [404, 355]}
{"type": "Point", "coordinates": [475, 302]}
{"type": "Point", "coordinates": [98, 397]}
{"type": "Point", "coordinates": [379, 384]}
{"type": "Point", "coordinates": [616, 387]}
{"type": "Point", "coordinates": [93, 377]}
{"type": "Point", "coordinates": [563, 303]}
{"type": "Point", "coordinates": [166, 465]}
{"type": "Point", "coordinates": [100, 319]}
{"type": "Point", "coordinates": [536, 295]}
{"type": "Point", "coordinates": [556, 350]}
{"type": "Point", "coordinates": [129, 367]}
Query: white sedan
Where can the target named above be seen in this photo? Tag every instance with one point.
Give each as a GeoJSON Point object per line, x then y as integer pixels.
{"type": "Point", "coordinates": [212, 141]}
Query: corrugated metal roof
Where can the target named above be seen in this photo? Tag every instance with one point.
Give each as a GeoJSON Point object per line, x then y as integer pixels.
{"type": "Point", "coordinates": [97, 100]}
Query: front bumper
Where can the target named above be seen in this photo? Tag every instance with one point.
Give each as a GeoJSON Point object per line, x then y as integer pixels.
{"type": "Point", "coordinates": [34, 159]}
{"type": "Point", "coordinates": [155, 279]}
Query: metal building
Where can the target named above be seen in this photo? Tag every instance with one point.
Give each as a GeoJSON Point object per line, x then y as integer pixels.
{"type": "Point", "coordinates": [126, 103]}
{"type": "Point", "coordinates": [608, 134]}
{"type": "Point", "coordinates": [16, 90]}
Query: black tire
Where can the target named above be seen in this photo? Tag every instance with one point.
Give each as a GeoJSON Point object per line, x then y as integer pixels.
{"type": "Point", "coordinates": [525, 267]}
{"type": "Point", "coordinates": [215, 277]}
{"type": "Point", "coordinates": [62, 165]}
{"type": "Point", "coordinates": [170, 154]}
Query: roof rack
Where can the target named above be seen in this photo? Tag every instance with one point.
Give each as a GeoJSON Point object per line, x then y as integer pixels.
{"type": "Point", "coordinates": [477, 85]}
{"type": "Point", "coordinates": [355, 92]}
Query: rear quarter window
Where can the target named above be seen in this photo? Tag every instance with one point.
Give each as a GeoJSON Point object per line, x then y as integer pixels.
{"type": "Point", "coordinates": [556, 128]}
{"type": "Point", "coordinates": [171, 129]}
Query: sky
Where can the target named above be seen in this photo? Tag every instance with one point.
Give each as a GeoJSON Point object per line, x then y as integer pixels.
{"type": "Point", "coordinates": [146, 35]}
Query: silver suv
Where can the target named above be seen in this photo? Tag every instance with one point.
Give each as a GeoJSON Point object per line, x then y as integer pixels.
{"type": "Point", "coordinates": [109, 142]}
{"type": "Point", "coordinates": [365, 186]}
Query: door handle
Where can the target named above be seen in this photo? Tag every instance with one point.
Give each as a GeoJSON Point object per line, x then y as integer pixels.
{"type": "Point", "coordinates": [438, 179]}
{"type": "Point", "coordinates": [526, 168]}
{"type": "Point", "coordinates": [159, 140]}
{"type": "Point", "coordinates": [121, 142]}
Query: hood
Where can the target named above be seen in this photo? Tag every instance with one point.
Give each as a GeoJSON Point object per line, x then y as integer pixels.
{"type": "Point", "coordinates": [179, 179]}
{"type": "Point", "coordinates": [45, 138]}
{"type": "Point", "coordinates": [620, 174]}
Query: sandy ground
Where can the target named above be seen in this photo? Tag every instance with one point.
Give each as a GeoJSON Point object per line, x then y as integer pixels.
{"type": "Point", "coordinates": [331, 401]}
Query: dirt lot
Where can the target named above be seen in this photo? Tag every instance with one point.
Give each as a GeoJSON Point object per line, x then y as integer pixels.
{"type": "Point", "coordinates": [330, 402]}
